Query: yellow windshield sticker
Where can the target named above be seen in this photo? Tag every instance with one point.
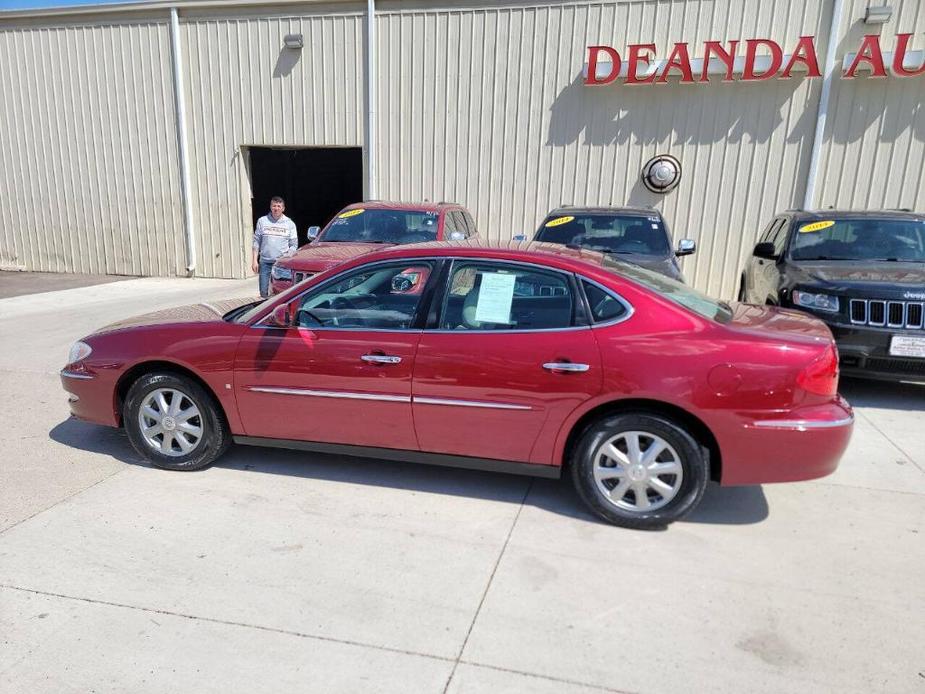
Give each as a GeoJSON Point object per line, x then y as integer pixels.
{"type": "Point", "coordinates": [559, 220]}
{"type": "Point", "coordinates": [350, 213]}
{"type": "Point", "coordinates": [816, 226]}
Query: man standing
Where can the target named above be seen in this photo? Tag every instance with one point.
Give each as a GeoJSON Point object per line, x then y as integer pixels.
{"type": "Point", "coordinates": [275, 235]}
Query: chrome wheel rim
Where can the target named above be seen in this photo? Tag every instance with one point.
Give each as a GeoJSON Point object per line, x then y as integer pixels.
{"type": "Point", "coordinates": [170, 422]}
{"type": "Point", "coordinates": [637, 471]}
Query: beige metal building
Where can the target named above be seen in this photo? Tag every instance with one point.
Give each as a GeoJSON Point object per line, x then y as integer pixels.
{"type": "Point", "coordinates": [109, 113]}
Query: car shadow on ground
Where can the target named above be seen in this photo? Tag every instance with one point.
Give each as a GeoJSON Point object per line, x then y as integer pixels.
{"type": "Point", "coordinates": [720, 506]}
{"type": "Point", "coordinates": [883, 395]}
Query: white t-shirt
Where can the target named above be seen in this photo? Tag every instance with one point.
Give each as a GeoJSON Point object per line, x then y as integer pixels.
{"type": "Point", "coordinates": [272, 237]}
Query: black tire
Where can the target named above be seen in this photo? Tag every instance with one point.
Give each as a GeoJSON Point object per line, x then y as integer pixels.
{"type": "Point", "coordinates": [215, 436]}
{"type": "Point", "coordinates": [682, 449]}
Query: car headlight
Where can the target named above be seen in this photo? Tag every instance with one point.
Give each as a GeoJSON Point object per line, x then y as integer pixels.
{"type": "Point", "coordinates": [79, 351]}
{"type": "Point", "coordinates": [820, 302]}
{"type": "Point", "coordinates": [281, 273]}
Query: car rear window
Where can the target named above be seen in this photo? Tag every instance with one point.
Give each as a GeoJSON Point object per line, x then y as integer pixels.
{"type": "Point", "coordinates": [862, 238]}
{"type": "Point", "coordinates": [675, 291]}
{"type": "Point", "coordinates": [608, 233]}
{"type": "Point", "coordinates": [382, 226]}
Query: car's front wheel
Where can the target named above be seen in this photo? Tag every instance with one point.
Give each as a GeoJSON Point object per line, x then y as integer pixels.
{"type": "Point", "coordinates": [640, 471]}
{"type": "Point", "coordinates": [174, 423]}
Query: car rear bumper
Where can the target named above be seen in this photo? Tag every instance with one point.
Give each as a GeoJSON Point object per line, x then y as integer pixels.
{"type": "Point", "coordinates": [90, 397]}
{"type": "Point", "coordinates": [801, 444]}
{"type": "Point", "coordinates": [865, 353]}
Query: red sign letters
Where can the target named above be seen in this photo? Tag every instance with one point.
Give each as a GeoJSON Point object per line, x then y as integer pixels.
{"type": "Point", "coordinates": [763, 59]}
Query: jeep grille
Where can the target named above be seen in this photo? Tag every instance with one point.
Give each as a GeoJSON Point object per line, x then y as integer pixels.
{"type": "Point", "coordinates": [887, 314]}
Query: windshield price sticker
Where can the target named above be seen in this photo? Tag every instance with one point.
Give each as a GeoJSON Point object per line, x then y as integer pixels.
{"type": "Point", "coordinates": [496, 294]}
{"type": "Point", "coordinates": [816, 226]}
{"type": "Point", "coordinates": [902, 346]}
{"type": "Point", "coordinates": [350, 213]}
{"type": "Point", "coordinates": [559, 220]}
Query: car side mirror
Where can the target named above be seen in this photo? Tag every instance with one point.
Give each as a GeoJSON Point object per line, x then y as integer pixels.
{"type": "Point", "coordinates": [280, 317]}
{"type": "Point", "coordinates": [313, 233]}
{"type": "Point", "coordinates": [765, 249]}
{"type": "Point", "coordinates": [519, 237]}
{"type": "Point", "coordinates": [686, 247]}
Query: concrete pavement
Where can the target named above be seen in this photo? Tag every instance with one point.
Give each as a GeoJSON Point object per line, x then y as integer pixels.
{"type": "Point", "coordinates": [279, 570]}
{"type": "Point", "coordinates": [14, 283]}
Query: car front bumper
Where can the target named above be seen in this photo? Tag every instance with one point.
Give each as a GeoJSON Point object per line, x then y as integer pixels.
{"type": "Point", "coordinates": [865, 353]}
{"type": "Point", "coordinates": [90, 396]}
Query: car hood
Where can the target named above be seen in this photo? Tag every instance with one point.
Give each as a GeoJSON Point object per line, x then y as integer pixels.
{"type": "Point", "coordinates": [205, 312]}
{"type": "Point", "coordinates": [322, 255]}
{"type": "Point", "coordinates": [665, 265]}
{"type": "Point", "coordinates": [846, 276]}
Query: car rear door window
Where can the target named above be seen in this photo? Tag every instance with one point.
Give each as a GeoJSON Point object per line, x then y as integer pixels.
{"type": "Point", "coordinates": [497, 296]}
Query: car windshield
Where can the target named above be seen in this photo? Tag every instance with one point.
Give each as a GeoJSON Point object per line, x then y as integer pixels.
{"type": "Point", "coordinates": [860, 239]}
{"type": "Point", "coordinates": [246, 313]}
{"type": "Point", "coordinates": [608, 233]}
{"type": "Point", "coordinates": [682, 294]}
{"type": "Point", "coordinates": [382, 226]}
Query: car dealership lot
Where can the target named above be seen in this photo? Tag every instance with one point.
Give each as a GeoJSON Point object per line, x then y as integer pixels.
{"type": "Point", "coordinates": [284, 570]}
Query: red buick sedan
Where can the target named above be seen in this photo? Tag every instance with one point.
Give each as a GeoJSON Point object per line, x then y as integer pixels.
{"type": "Point", "coordinates": [524, 358]}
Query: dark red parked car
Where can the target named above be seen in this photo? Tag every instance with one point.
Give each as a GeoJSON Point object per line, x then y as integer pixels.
{"type": "Point", "coordinates": [524, 358]}
{"type": "Point", "coordinates": [365, 227]}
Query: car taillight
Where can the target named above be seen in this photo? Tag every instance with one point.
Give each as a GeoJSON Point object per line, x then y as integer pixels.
{"type": "Point", "coordinates": [821, 376]}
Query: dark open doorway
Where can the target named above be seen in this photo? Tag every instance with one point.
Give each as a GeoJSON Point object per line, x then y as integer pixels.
{"type": "Point", "coordinates": [315, 182]}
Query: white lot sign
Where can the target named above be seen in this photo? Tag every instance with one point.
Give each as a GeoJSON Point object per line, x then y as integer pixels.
{"type": "Point", "coordinates": [496, 294]}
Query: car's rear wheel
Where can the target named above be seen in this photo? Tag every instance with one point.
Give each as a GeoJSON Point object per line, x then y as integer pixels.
{"type": "Point", "coordinates": [174, 423]}
{"type": "Point", "coordinates": [640, 470]}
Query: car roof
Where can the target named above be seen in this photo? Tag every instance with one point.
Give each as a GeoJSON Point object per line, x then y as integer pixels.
{"type": "Point", "coordinates": [641, 211]}
{"type": "Point", "coordinates": [855, 214]}
{"type": "Point", "coordinates": [425, 206]}
{"type": "Point", "coordinates": [502, 250]}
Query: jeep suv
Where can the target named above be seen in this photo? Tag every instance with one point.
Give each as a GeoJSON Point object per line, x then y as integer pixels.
{"type": "Point", "coordinates": [636, 235]}
{"type": "Point", "coordinates": [863, 273]}
{"type": "Point", "coordinates": [368, 226]}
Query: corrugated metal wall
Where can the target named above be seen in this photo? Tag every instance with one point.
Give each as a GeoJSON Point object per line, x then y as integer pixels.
{"type": "Point", "coordinates": [487, 107]}
{"type": "Point", "coordinates": [247, 89]}
{"type": "Point", "coordinates": [88, 164]}
{"type": "Point", "coordinates": [874, 153]}
{"type": "Point", "coordinates": [483, 105]}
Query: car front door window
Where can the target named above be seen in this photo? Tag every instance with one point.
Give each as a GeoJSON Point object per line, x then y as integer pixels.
{"type": "Point", "coordinates": [780, 237]}
{"type": "Point", "coordinates": [383, 297]}
{"type": "Point", "coordinates": [470, 225]}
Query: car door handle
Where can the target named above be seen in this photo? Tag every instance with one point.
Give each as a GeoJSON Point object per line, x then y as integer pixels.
{"type": "Point", "coordinates": [380, 359]}
{"type": "Point", "coordinates": [565, 366]}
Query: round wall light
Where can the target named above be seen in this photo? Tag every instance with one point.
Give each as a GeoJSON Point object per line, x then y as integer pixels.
{"type": "Point", "coordinates": [662, 173]}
